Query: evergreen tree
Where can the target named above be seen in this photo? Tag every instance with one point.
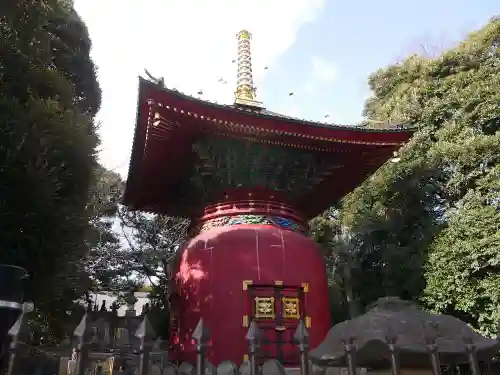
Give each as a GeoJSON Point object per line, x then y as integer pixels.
{"type": "Point", "coordinates": [130, 249]}
{"type": "Point", "coordinates": [49, 96]}
{"type": "Point", "coordinates": [429, 224]}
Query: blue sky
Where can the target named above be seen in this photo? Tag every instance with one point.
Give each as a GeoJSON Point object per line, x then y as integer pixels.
{"type": "Point", "coordinates": [359, 36]}
{"type": "Point", "coordinates": [321, 50]}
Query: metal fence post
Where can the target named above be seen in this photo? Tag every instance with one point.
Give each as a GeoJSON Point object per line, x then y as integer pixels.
{"type": "Point", "coordinates": [18, 335]}
{"type": "Point", "coordinates": [12, 285]}
{"type": "Point", "coordinates": [202, 336]}
{"type": "Point", "coordinates": [301, 337]}
{"type": "Point", "coordinates": [146, 335]}
{"type": "Point", "coordinates": [432, 349]}
{"type": "Point", "coordinates": [253, 340]}
{"type": "Point", "coordinates": [471, 355]}
{"type": "Point", "coordinates": [82, 334]}
{"type": "Point", "coordinates": [350, 353]}
{"type": "Point", "coordinates": [391, 338]}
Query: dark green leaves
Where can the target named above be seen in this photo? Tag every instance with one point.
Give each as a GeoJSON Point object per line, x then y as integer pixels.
{"type": "Point", "coordinates": [433, 218]}
{"type": "Point", "coordinates": [47, 152]}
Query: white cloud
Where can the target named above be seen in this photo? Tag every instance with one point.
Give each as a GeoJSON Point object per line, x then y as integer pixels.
{"type": "Point", "coordinates": [323, 70]}
{"type": "Point", "coordinates": [191, 43]}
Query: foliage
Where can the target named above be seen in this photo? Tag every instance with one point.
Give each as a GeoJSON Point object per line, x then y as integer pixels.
{"type": "Point", "coordinates": [140, 257]}
{"type": "Point", "coordinates": [102, 239]}
{"type": "Point", "coordinates": [48, 98]}
{"type": "Point", "coordinates": [433, 216]}
{"type": "Point", "coordinates": [151, 243]}
{"type": "Point", "coordinates": [324, 229]}
{"type": "Point", "coordinates": [463, 271]}
{"type": "Point", "coordinates": [130, 249]}
{"type": "Point", "coordinates": [454, 100]}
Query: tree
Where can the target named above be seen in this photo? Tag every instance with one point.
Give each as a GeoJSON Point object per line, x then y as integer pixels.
{"type": "Point", "coordinates": [130, 249]}
{"type": "Point", "coordinates": [342, 253]}
{"type": "Point", "coordinates": [463, 271]}
{"type": "Point", "coordinates": [49, 96]}
{"type": "Point", "coordinates": [433, 217]}
{"type": "Point", "coordinates": [393, 217]}
{"type": "Point", "coordinates": [103, 241]}
{"type": "Point", "coordinates": [324, 229]}
{"type": "Point", "coordinates": [151, 242]}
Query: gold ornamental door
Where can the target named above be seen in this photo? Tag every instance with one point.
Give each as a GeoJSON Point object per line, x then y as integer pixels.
{"type": "Point", "coordinates": [277, 308]}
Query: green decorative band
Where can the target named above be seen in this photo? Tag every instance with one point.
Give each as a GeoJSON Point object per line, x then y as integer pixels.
{"type": "Point", "coordinates": [277, 221]}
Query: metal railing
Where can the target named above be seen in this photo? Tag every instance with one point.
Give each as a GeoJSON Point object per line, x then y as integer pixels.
{"type": "Point", "coordinates": [141, 362]}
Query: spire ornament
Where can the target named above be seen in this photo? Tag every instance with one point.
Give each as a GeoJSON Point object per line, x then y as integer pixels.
{"type": "Point", "coordinates": [245, 90]}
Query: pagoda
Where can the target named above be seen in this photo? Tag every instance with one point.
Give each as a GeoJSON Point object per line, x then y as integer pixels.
{"type": "Point", "coordinates": [249, 179]}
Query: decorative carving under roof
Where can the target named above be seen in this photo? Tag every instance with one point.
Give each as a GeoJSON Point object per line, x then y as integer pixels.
{"type": "Point", "coordinates": [186, 151]}
{"type": "Point", "coordinates": [412, 329]}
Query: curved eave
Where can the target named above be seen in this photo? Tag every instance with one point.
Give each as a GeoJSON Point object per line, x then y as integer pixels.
{"type": "Point", "coordinates": [263, 113]}
{"type": "Point", "coordinates": [162, 152]}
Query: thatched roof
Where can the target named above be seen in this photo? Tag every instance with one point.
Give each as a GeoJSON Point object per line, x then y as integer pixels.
{"type": "Point", "coordinates": [411, 328]}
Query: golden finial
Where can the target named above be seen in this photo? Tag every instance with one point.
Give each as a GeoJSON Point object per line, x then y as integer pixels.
{"type": "Point", "coordinates": [245, 90]}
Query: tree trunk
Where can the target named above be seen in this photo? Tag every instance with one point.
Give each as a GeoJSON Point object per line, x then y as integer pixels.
{"type": "Point", "coordinates": [348, 288]}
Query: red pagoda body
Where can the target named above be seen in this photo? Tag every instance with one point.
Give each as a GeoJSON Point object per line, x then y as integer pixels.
{"type": "Point", "coordinates": [250, 180]}
{"type": "Point", "coordinates": [249, 257]}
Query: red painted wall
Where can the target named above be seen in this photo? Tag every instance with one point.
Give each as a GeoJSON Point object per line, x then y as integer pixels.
{"type": "Point", "coordinates": [209, 281]}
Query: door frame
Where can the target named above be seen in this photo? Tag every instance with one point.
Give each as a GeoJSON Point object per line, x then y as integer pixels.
{"type": "Point", "coordinates": [276, 318]}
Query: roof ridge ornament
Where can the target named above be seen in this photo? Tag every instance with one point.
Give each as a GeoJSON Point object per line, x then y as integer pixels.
{"type": "Point", "coordinates": [159, 81]}
{"type": "Point", "coordinates": [245, 89]}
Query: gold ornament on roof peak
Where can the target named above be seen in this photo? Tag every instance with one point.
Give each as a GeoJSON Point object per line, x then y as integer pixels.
{"type": "Point", "coordinates": [245, 90]}
{"type": "Point", "coordinates": [244, 34]}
